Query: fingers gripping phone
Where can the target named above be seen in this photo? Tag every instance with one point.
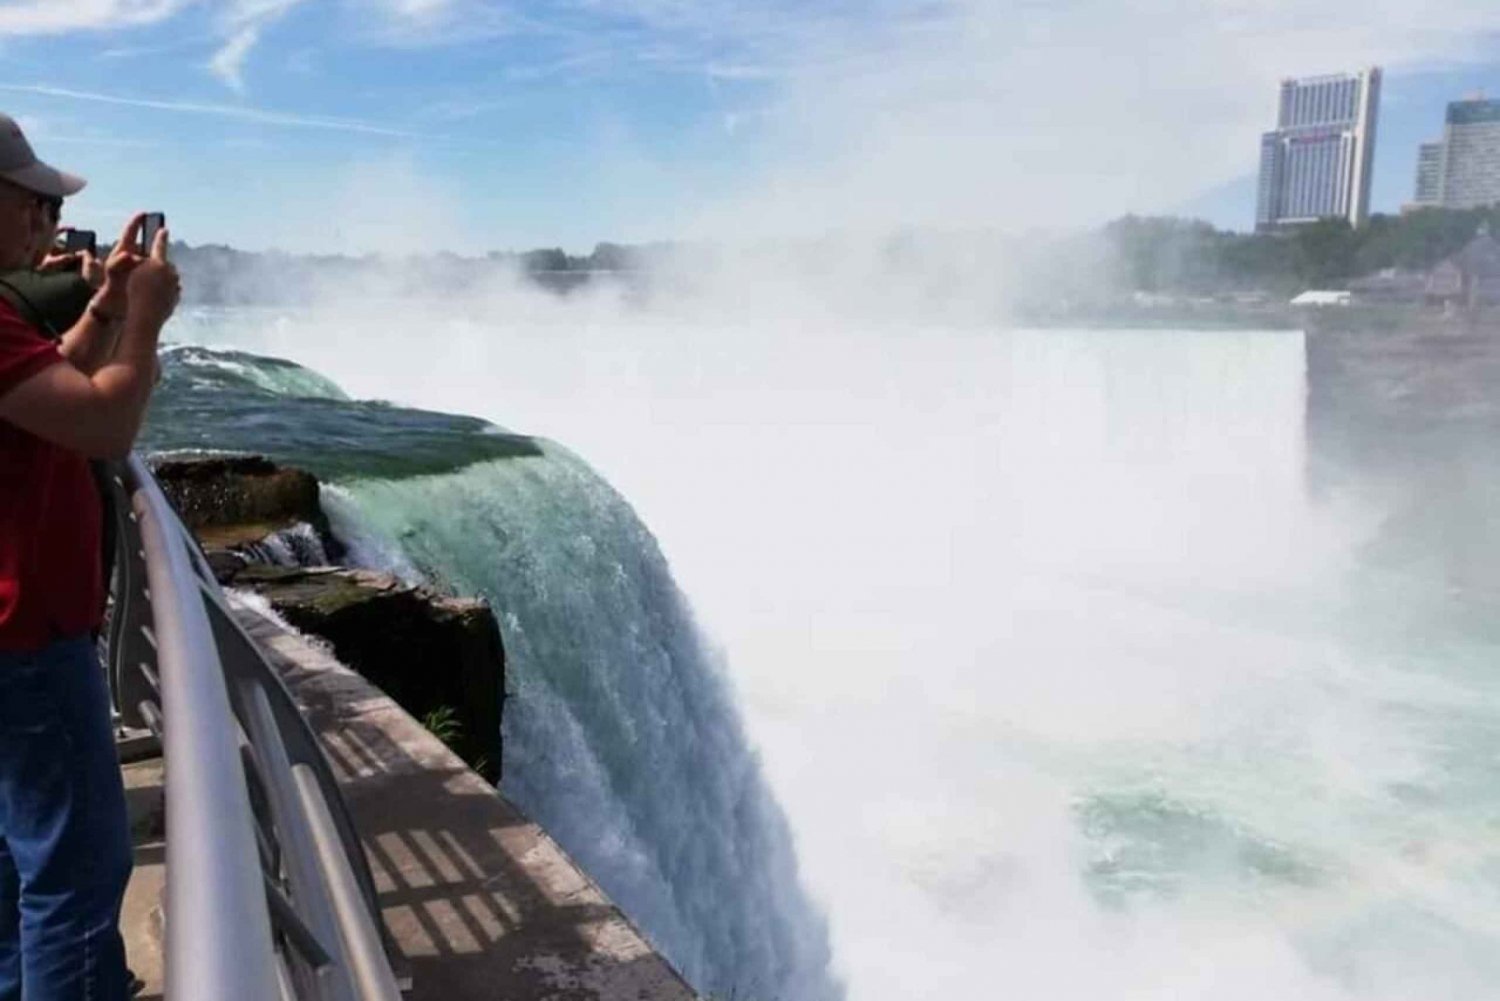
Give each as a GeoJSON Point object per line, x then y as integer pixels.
{"type": "Point", "coordinates": [155, 222]}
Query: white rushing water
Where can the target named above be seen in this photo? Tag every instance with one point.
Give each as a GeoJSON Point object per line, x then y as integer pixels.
{"type": "Point", "coordinates": [621, 737]}
{"type": "Point", "coordinates": [1066, 687]}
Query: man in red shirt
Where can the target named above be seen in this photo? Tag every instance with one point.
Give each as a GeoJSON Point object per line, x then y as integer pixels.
{"type": "Point", "coordinates": [64, 842]}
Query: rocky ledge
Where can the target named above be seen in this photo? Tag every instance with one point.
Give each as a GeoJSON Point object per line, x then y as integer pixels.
{"type": "Point", "coordinates": [439, 657]}
{"type": "Point", "coordinates": [236, 500]}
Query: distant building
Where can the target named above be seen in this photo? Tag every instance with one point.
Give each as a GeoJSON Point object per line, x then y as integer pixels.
{"type": "Point", "coordinates": [1462, 170]}
{"type": "Point", "coordinates": [1470, 279]}
{"type": "Point", "coordinates": [1323, 297]}
{"type": "Point", "coordinates": [1389, 287]}
{"type": "Point", "coordinates": [1471, 173]}
{"type": "Point", "coordinates": [1317, 162]}
{"type": "Point", "coordinates": [1430, 174]}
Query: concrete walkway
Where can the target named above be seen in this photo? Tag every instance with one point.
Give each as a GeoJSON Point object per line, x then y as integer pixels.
{"type": "Point", "coordinates": [481, 901]}
{"type": "Point", "coordinates": [140, 918]}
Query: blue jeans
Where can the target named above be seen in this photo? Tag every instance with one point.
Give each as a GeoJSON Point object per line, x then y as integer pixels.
{"type": "Point", "coordinates": [65, 850]}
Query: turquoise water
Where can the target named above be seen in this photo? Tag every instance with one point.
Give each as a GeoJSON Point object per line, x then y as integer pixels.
{"type": "Point", "coordinates": [233, 401]}
{"type": "Point", "coordinates": [1064, 681]}
{"type": "Point", "coordinates": [620, 735]}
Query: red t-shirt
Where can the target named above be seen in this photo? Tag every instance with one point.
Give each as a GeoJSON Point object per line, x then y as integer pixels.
{"type": "Point", "coordinates": [50, 516]}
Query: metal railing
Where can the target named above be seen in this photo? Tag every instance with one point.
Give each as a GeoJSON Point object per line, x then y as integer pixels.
{"type": "Point", "coordinates": [269, 894]}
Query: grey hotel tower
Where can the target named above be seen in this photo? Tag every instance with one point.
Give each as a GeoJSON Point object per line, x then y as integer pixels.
{"type": "Point", "coordinates": [1462, 171]}
{"type": "Point", "coordinates": [1317, 163]}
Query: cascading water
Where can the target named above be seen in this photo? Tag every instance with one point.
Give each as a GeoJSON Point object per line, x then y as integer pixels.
{"type": "Point", "coordinates": [621, 735]}
{"type": "Point", "coordinates": [621, 739]}
{"type": "Point", "coordinates": [1068, 687]}
{"type": "Point", "coordinates": [297, 546]}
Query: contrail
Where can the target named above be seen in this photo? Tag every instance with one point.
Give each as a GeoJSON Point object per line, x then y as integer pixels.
{"type": "Point", "coordinates": [222, 110]}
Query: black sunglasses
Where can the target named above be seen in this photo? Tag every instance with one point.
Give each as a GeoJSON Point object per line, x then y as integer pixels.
{"type": "Point", "coordinates": [50, 203]}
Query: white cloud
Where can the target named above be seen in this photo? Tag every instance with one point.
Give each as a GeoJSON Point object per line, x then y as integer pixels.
{"type": "Point", "coordinates": [416, 9]}
{"type": "Point", "coordinates": [243, 22]}
{"type": "Point", "coordinates": [432, 22]}
{"type": "Point", "coordinates": [228, 63]}
{"type": "Point", "coordinates": [42, 17]}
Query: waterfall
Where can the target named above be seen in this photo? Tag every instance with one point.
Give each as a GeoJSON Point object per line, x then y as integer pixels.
{"type": "Point", "coordinates": [294, 546]}
{"type": "Point", "coordinates": [622, 736]}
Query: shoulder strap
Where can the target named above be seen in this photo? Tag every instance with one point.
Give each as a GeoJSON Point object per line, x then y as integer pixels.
{"type": "Point", "coordinates": [50, 302]}
{"type": "Point", "coordinates": [23, 305]}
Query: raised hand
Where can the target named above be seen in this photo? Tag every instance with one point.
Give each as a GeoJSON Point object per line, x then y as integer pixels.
{"type": "Point", "coordinates": [127, 252]}
{"type": "Point", "coordinates": [91, 268]}
{"type": "Point", "coordinates": [88, 266]}
{"type": "Point", "coordinates": [60, 261]}
{"type": "Point", "coordinates": [153, 287]}
{"type": "Point", "coordinates": [124, 257]}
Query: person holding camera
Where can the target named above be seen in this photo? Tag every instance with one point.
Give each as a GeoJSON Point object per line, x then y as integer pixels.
{"type": "Point", "coordinates": [59, 256]}
{"type": "Point", "coordinates": [68, 288]}
{"type": "Point", "coordinates": [65, 853]}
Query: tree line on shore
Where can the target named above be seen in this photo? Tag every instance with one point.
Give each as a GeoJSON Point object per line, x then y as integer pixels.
{"type": "Point", "coordinates": [1153, 254]}
{"type": "Point", "coordinates": [1172, 255]}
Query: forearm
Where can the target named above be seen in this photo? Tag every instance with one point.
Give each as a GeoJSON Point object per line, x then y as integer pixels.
{"type": "Point", "coordinates": [91, 341]}
{"type": "Point", "coordinates": [125, 379]}
{"type": "Point", "coordinates": [89, 344]}
{"type": "Point", "coordinates": [97, 415]}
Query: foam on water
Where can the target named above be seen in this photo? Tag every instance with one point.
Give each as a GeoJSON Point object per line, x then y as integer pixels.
{"type": "Point", "coordinates": [295, 546]}
{"type": "Point", "coordinates": [209, 368]}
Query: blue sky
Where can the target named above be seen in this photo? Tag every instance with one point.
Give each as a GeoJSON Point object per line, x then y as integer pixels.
{"type": "Point", "coordinates": [358, 125]}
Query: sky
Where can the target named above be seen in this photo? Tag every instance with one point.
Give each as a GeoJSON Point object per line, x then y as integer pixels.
{"type": "Point", "coordinates": [476, 125]}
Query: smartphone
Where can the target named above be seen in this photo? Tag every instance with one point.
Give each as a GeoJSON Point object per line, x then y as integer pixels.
{"type": "Point", "coordinates": [155, 221]}
{"type": "Point", "coordinates": [75, 240]}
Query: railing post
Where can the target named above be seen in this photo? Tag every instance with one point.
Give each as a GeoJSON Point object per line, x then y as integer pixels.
{"type": "Point", "coordinates": [127, 645]}
{"type": "Point", "coordinates": [299, 849]}
{"type": "Point", "coordinates": [255, 817]}
{"type": "Point", "coordinates": [368, 967]}
{"type": "Point", "coordinates": [218, 927]}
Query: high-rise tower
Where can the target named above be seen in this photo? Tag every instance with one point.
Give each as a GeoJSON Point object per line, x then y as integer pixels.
{"type": "Point", "coordinates": [1430, 174]}
{"type": "Point", "coordinates": [1463, 170]}
{"type": "Point", "coordinates": [1317, 163]}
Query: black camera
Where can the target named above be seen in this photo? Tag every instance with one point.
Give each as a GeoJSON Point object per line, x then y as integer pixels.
{"type": "Point", "coordinates": [76, 240]}
{"type": "Point", "coordinates": [154, 223]}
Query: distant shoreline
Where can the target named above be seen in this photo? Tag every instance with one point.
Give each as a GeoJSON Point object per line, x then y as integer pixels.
{"type": "Point", "coordinates": [1374, 320]}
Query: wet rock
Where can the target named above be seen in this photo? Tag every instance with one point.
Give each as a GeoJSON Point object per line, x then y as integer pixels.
{"type": "Point", "coordinates": [439, 658]}
{"type": "Point", "coordinates": [434, 655]}
{"type": "Point", "coordinates": [225, 563]}
{"type": "Point", "coordinates": [231, 501]}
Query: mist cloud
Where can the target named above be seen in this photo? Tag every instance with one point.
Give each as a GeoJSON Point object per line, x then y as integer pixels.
{"type": "Point", "coordinates": [1018, 114]}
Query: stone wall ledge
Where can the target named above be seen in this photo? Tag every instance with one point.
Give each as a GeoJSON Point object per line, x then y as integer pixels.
{"type": "Point", "coordinates": [439, 657]}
